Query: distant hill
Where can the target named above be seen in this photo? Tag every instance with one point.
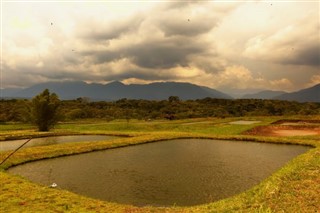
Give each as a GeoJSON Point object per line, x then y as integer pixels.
{"type": "Point", "coordinates": [311, 94]}
{"type": "Point", "coordinates": [9, 92]}
{"type": "Point", "coordinates": [266, 94]}
{"type": "Point", "coordinates": [117, 90]}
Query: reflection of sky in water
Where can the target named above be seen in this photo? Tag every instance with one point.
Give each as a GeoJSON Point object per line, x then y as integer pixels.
{"type": "Point", "coordinates": [14, 144]}
{"type": "Point", "coordinates": [181, 172]}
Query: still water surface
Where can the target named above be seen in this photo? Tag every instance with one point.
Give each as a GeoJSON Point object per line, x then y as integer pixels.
{"type": "Point", "coordinates": [14, 144]}
{"type": "Point", "coordinates": [180, 172]}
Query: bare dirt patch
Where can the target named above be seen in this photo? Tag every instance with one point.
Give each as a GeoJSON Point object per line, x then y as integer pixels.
{"type": "Point", "coordinates": [294, 132]}
{"type": "Point", "coordinates": [281, 130]}
{"type": "Point", "coordinates": [288, 122]}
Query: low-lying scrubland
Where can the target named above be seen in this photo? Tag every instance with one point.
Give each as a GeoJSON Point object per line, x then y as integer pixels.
{"type": "Point", "coordinates": [293, 188]}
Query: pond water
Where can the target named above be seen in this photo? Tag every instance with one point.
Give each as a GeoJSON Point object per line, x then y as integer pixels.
{"type": "Point", "coordinates": [180, 172]}
{"type": "Point", "coordinates": [14, 144]}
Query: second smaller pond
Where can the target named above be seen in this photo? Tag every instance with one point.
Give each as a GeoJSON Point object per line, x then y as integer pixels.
{"type": "Point", "coordinates": [14, 144]}
{"type": "Point", "coordinates": [243, 122]}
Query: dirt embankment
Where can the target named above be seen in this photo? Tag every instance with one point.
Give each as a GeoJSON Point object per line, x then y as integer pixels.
{"type": "Point", "coordinates": [288, 128]}
{"type": "Point", "coordinates": [297, 122]}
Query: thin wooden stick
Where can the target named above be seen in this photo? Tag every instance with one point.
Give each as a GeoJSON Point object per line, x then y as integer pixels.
{"type": "Point", "coordinates": [15, 151]}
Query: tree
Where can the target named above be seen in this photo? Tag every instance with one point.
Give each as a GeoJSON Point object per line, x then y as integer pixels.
{"type": "Point", "coordinates": [44, 110]}
{"type": "Point", "coordinates": [173, 99]}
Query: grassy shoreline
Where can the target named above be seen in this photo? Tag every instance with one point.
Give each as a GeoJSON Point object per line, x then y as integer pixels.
{"type": "Point", "coordinates": [293, 188]}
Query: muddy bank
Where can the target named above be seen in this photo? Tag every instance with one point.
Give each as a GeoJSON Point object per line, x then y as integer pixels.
{"type": "Point", "coordinates": [282, 130]}
{"type": "Point", "coordinates": [297, 122]}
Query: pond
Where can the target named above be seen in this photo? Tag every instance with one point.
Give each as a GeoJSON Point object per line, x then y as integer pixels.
{"type": "Point", "coordinates": [180, 172]}
{"type": "Point", "coordinates": [14, 144]}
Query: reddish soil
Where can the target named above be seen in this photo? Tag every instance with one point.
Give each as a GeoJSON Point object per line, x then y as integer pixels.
{"type": "Point", "coordinates": [285, 130]}
{"type": "Point", "coordinates": [297, 122]}
{"type": "Point", "coordinates": [295, 132]}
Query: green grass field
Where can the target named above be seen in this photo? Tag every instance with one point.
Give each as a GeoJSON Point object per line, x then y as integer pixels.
{"type": "Point", "coordinates": [293, 188]}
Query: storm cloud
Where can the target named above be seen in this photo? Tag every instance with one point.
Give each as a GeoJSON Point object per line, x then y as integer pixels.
{"type": "Point", "coordinates": [307, 56]}
{"type": "Point", "coordinates": [160, 40]}
{"type": "Point", "coordinates": [161, 53]}
{"type": "Point", "coordinates": [216, 44]}
{"type": "Point", "coordinates": [110, 29]}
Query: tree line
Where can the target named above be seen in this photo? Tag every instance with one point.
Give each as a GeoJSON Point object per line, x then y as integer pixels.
{"type": "Point", "coordinates": [172, 108]}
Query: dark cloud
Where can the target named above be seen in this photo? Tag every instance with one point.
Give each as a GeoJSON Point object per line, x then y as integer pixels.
{"type": "Point", "coordinates": [187, 18]}
{"type": "Point", "coordinates": [20, 76]}
{"type": "Point", "coordinates": [309, 56]}
{"type": "Point", "coordinates": [164, 53]}
{"type": "Point", "coordinates": [181, 4]}
{"type": "Point", "coordinates": [107, 30]}
{"type": "Point", "coordinates": [103, 56]}
{"type": "Point", "coordinates": [147, 45]}
{"type": "Point", "coordinates": [186, 26]}
{"type": "Point", "coordinates": [176, 30]}
{"type": "Point", "coordinates": [159, 56]}
{"type": "Point", "coordinates": [176, 40]}
{"type": "Point", "coordinates": [294, 52]}
{"type": "Point", "coordinates": [159, 53]}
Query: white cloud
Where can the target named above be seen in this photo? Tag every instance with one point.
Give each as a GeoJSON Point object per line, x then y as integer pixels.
{"type": "Point", "coordinates": [239, 77]}
{"type": "Point", "coordinates": [295, 43]}
{"type": "Point", "coordinates": [281, 84]}
{"type": "Point", "coordinates": [314, 80]}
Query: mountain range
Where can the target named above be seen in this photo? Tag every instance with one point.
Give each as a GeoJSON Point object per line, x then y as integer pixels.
{"type": "Point", "coordinates": [117, 90]}
{"type": "Point", "coordinates": [311, 94]}
{"type": "Point", "coordinates": [266, 94]}
{"type": "Point", "coordinates": [153, 91]}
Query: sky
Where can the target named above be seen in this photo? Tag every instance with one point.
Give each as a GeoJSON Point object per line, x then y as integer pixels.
{"type": "Point", "coordinates": [232, 46]}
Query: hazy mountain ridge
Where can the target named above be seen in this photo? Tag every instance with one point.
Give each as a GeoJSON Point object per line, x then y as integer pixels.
{"type": "Point", "coordinates": [153, 91]}
{"type": "Point", "coordinates": [311, 94]}
{"type": "Point", "coordinates": [9, 92]}
{"type": "Point", "coordinates": [266, 94]}
{"type": "Point", "coordinates": [117, 90]}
